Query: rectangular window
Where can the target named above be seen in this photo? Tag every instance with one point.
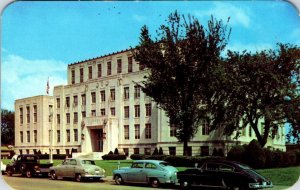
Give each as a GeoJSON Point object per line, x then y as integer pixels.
{"type": "Point", "coordinates": [58, 102]}
{"type": "Point", "coordinates": [93, 113]}
{"type": "Point", "coordinates": [148, 109]}
{"type": "Point", "coordinates": [75, 99]}
{"type": "Point", "coordinates": [58, 118]}
{"type": "Point", "coordinates": [93, 94]}
{"type": "Point", "coordinates": [172, 130]}
{"type": "Point", "coordinates": [81, 74]}
{"type": "Point", "coordinates": [35, 136]}
{"type": "Point", "coordinates": [50, 113]}
{"type": "Point", "coordinates": [90, 72]}
{"type": "Point", "coordinates": [68, 135]}
{"type": "Point", "coordinates": [126, 93]}
{"type": "Point", "coordinates": [137, 91]}
{"type": "Point", "coordinates": [75, 119]}
{"type": "Point", "coordinates": [58, 135]}
{"type": "Point", "coordinates": [147, 151]}
{"type": "Point", "coordinates": [67, 102]}
{"type": "Point", "coordinates": [102, 112]}
{"type": "Point", "coordinates": [108, 68]}
{"type": "Point", "coordinates": [75, 135]}
{"type": "Point", "coordinates": [21, 136]}
{"type": "Point", "coordinates": [119, 65]}
{"type": "Point", "coordinates": [126, 151]}
{"type": "Point", "coordinates": [172, 151]}
{"type": "Point", "coordinates": [28, 114]}
{"type": "Point", "coordinates": [28, 136]}
{"type": "Point", "coordinates": [130, 64]}
{"type": "Point", "coordinates": [83, 114]}
{"type": "Point", "coordinates": [137, 131]}
{"type": "Point", "coordinates": [21, 115]}
{"type": "Point", "coordinates": [126, 111]}
{"type": "Point", "coordinates": [99, 70]}
{"type": "Point", "coordinates": [205, 127]}
{"type": "Point", "coordinates": [73, 76]}
{"type": "Point", "coordinates": [137, 110]}
{"type": "Point", "coordinates": [68, 118]}
{"type": "Point", "coordinates": [34, 113]}
{"type": "Point", "coordinates": [141, 66]}
{"type": "Point", "coordinates": [136, 151]}
{"type": "Point", "coordinates": [148, 131]}
{"type": "Point", "coordinates": [126, 132]}
{"type": "Point", "coordinates": [83, 99]}
{"type": "Point", "coordinates": [102, 94]}
{"type": "Point", "coordinates": [112, 94]}
{"type": "Point", "coordinates": [113, 111]}
{"type": "Point", "coordinates": [204, 151]}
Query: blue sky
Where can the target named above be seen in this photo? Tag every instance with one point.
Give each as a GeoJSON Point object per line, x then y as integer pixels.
{"type": "Point", "coordinates": [39, 39]}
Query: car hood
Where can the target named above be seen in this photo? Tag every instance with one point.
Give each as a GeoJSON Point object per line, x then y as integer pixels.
{"type": "Point", "coordinates": [170, 169]}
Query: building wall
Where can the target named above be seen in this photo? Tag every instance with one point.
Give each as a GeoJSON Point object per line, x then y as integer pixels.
{"type": "Point", "coordinates": [68, 102]}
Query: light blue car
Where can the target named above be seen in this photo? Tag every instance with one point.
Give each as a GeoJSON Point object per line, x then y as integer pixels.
{"type": "Point", "coordinates": [153, 172]}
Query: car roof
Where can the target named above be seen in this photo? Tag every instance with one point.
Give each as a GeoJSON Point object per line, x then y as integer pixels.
{"type": "Point", "coordinates": [150, 161]}
{"type": "Point", "coordinates": [222, 161]}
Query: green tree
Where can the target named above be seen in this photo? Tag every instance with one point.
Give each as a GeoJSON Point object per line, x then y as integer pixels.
{"type": "Point", "coordinates": [183, 61]}
{"type": "Point", "coordinates": [7, 127]}
{"type": "Point", "coordinates": [260, 83]}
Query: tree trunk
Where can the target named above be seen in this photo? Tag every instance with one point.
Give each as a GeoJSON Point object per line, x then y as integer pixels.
{"type": "Point", "coordinates": [185, 147]}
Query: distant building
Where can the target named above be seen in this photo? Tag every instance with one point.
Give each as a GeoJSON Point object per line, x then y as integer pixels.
{"type": "Point", "coordinates": [102, 108]}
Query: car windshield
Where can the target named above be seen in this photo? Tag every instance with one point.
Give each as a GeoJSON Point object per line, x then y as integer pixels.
{"type": "Point", "coordinates": [88, 162]}
{"type": "Point", "coordinates": [164, 164]}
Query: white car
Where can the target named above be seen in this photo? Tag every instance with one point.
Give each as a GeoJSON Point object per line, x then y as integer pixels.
{"type": "Point", "coordinates": [3, 168]}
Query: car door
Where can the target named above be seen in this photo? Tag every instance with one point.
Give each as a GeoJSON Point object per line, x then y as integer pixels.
{"type": "Point", "coordinates": [211, 175]}
{"type": "Point", "coordinates": [71, 168]}
{"type": "Point", "coordinates": [136, 173]}
{"type": "Point", "coordinates": [62, 169]}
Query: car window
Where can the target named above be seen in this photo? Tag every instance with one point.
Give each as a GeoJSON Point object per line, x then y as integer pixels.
{"type": "Point", "coordinates": [66, 162]}
{"type": "Point", "coordinates": [137, 165]}
{"type": "Point", "coordinates": [212, 167]}
{"type": "Point", "coordinates": [163, 164]}
{"type": "Point", "coordinates": [150, 166]}
{"type": "Point", "coordinates": [224, 167]}
{"type": "Point", "coordinates": [89, 162]}
{"type": "Point", "coordinates": [73, 162]}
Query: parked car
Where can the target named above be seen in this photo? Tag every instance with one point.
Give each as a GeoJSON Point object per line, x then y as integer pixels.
{"type": "Point", "coordinates": [3, 168]}
{"type": "Point", "coordinates": [153, 172]}
{"type": "Point", "coordinates": [77, 168]}
{"type": "Point", "coordinates": [223, 174]}
{"type": "Point", "coordinates": [28, 165]}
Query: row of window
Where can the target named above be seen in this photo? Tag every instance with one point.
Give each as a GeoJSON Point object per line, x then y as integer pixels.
{"type": "Point", "coordinates": [35, 118]}
{"type": "Point", "coordinates": [108, 70]}
{"type": "Point", "coordinates": [137, 131]}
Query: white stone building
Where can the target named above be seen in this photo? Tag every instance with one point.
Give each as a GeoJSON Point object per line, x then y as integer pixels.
{"type": "Point", "coordinates": [102, 108]}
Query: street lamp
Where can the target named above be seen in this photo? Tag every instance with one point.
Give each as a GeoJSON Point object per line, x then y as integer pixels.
{"type": "Point", "coordinates": [51, 135]}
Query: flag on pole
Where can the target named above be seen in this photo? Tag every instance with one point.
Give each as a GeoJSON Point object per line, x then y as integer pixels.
{"type": "Point", "coordinates": [48, 87]}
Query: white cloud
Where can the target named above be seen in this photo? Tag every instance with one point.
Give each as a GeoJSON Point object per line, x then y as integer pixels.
{"type": "Point", "coordinates": [24, 78]}
{"type": "Point", "coordinates": [222, 11]}
{"type": "Point", "coordinates": [138, 18]}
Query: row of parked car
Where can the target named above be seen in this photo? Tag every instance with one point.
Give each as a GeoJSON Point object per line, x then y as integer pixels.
{"type": "Point", "coordinates": [212, 173]}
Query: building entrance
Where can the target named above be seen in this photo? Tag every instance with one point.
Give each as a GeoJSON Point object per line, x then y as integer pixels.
{"type": "Point", "coordinates": [97, 138]}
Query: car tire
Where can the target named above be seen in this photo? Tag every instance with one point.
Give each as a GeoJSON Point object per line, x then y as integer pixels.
{"type": "Point", "coordinates": [23, 169]}
{"type": "Point", "coordinates": [185, 184]}
{"type": "Point", "coordinates": [53, 175]}
{"type": "Point", "coordinates": [29, 174]}
{"type": "Point", "coordinates": [9, 172]}
{"type": "Point", "coordinates": [78, 177]}
{"type": "Point", "coordinates": [119, 180]}
{"type": "Point", "coordinates": [154, 183]}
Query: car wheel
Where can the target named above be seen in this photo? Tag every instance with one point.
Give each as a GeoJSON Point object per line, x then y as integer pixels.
{"type": "Point", "coordinates": [154, 183]}
{"type": "Point", "coordinates": [184, 184]}
{"type": "Point", "coordinates": [53, 175]}
{"type": "Point", "coordinates": [9, 172]}
{"type": "Point", "coordinates": [118, 180]}
{"type": "Point", "coordinates": [23, 169]}
{"type": "Point", "coordinates": [29, 173]}
{"type": "Point", "coordinates": [78, 177]}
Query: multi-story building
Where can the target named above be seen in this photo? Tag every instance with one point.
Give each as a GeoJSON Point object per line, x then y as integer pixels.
{"type": "Point", "coordinates": [102, 108]}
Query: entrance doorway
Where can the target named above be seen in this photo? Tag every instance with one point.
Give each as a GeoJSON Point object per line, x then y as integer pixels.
{"type": "Point", "coordinates": [97, 140]}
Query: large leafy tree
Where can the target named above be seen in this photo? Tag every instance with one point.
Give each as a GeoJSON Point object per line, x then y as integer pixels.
{"type": "Point", "coordinates": [183, 61]}
{"type": "Point", "coordinates": [7, 127]}
{"type": "Point", "coordinates": [261, 83]}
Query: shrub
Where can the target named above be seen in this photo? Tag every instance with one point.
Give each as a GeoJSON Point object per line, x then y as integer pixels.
{"type": "Point", "coordinates": [236, 153]}
{"type": "Point", "coordinates": [155, 152]}
{"type": "Point", "coordinates": [160, 152]}
{"type": "Point", "coordinates": [110, 152]}
{"type": "Point", "coordinates": [215, 152]}
{"type": "Point", "coordinates": [116, 151]}
{"type": "Point", "coordinates": [137, 157]}
{"type": "Point", "coordinates": [254, 155]}
{"type": "Point", "coordinates": [297, 154]}
{"type": "Point", "coordinates": [156, 157]}
{"type": "Point", "coordinates": [113, 157]}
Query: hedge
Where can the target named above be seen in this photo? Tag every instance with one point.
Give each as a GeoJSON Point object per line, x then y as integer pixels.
{"type": "Point", "coordinates": [114, 157]}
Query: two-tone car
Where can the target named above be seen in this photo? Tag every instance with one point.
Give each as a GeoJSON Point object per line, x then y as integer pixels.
{"type": "Point", "coordinates": [77, 168]}
{"type": "Point", "coordinates": [153, 172]}
{"type": "Point", "coordinates": [222, 174]}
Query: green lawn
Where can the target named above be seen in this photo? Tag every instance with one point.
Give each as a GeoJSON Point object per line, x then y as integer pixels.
{"type": "Point", "coordinates": [279, 176]}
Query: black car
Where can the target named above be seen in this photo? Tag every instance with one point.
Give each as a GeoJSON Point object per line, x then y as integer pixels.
{"type": "Point", "coordinates": [223, 174]}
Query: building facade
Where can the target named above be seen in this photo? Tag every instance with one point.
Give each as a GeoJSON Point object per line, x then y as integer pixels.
{"type": "Point", "coordinates": [102, 108]}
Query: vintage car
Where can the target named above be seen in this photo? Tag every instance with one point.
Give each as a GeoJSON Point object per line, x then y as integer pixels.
{"type": "Point", "coordinates": [224, 175]}
{"type": "Point", "coordinates": [77, 168]}
{"type": "Point", "coordinates": [153, 172]}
